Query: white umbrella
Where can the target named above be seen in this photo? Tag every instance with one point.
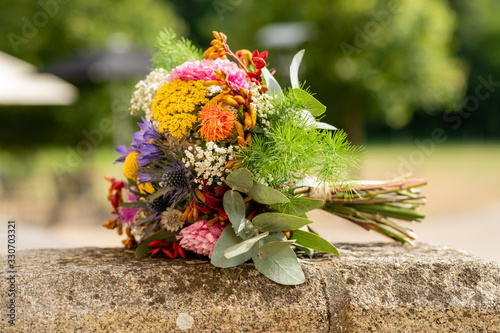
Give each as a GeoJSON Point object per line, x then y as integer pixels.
{"type": "Point", "coordinates": [21, 84]}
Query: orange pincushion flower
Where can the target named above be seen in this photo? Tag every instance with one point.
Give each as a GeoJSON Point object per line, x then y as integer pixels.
{"type": "Point", "coordinates": [217, 122]}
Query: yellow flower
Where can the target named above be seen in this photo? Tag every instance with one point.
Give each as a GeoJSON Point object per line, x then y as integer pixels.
{"type": "Point", "coordinates": [175, 105]}
{"type": "Point", "coordinates": [146, 188]}
{"type": "Point", "coordinates": [131, 165]}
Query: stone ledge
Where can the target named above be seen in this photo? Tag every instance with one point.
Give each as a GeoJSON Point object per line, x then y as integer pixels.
{"type": "Point", "coordinates": [377, 287]}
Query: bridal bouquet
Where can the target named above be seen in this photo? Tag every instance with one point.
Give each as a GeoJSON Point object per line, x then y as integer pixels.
{"type": "Point", "coordinates": [226, 164]}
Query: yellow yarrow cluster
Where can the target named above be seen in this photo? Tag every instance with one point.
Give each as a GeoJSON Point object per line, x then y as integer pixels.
{"type": "Point", "coordinates": [175, 103]}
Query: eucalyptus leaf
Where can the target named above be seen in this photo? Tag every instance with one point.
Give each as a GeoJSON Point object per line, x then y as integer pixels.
{"type": "Point", "coordinates": [312, 241]}
{"type": "Point", "coordinates": [246, 229]}
{"type": "Point", "coordinates": [266, 195]}
{"type": "Point", "coordinates": [294, 68]}
{"type": "Point", "coordinates": [234, 206]}
{"type": "Point", "coordinates": [245, 246]}
{"type": "Point", "coordinates": [306, 250]}
{"type": "Point", "coordinates": [282, 268]}
{"type": "Point", "coordinates": [227, 239]}
{"type": "Point", "coordinates": [278, 222]}
{"type": "Point", "coordinates": [240, 180]}
{"type": "Point", "coordinates": [275, 247]}
{"type": "Point", "coordinates": [272, 85]}
{"type": "Point", "coordinates": [311, 104]}
{"type": "Point", "coordinates": [164, 235]}
{"type": "Point", "coordinates": [298, 206]}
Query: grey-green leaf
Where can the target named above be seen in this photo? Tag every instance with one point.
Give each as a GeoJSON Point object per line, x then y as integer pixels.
{"type": "Point", "coordinates": [282, 268]}
{"type": "Point", "coordinates": [234, 206]}
{"type": "Point", "coordinates": [227, 239]}
{"type": "Point", "coordinates": [312, 241]}
{"type": "Point", "coordinates": [266, 195]}
{"type": "Point", "coordinates": [245, 246]}
{"type": "Point", "coordinates": [164, 235]}
{"type": "Point", "coordinates": [246, 229]}
{"type": "Point", "coordinates": [275, 247]}
{"type": "Point", "coordinates": [240, 180]}
{"type": "Point", "coordinates": [278, 222]}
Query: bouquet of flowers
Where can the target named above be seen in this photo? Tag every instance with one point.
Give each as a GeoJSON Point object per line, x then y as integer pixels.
{"type": "Point", "coordinates": [226, 165]}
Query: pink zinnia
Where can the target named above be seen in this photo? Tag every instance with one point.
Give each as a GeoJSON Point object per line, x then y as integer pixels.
{"type": "Point", "coordinates": [200, 238]}
{"type": "Point", "coordinates": [126, 215]}
{"type": "Point", "coordinates": [204, 70]}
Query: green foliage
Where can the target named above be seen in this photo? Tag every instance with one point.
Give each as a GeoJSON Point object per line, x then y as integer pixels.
{"type": "Point", "coordinates": [278, 222]}
{"type": "Point", "coordinates": [234, 206]}
{"type": "Point", "coordinates": [275, 247]}
{"type": "Point", "coordinates": [297, 206]}
{"type": "Point", "coordinates": [173, 51]}
{"type": "Point", "coordinates": [266, 195]}
{"type": "Point", "coordinates": [227, 239]}
{"type": "Point", "coordinates": [240, 180]}
{"type": "Point", "coordinates": [245, 246]}
{"type": "Point", "coordinates": [312, 241]}
{"type": "Point", "coordinates": [282, 268]}
{"type": "Point", "coordinates": [293, 148]}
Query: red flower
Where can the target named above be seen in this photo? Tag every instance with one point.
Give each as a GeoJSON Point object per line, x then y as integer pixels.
{"type": "Point", "coordinates": [214, 198]}
{"type": "Point", "coordinates": [259, 61]}
{"type": "Point", "coordinates": [171, 250]}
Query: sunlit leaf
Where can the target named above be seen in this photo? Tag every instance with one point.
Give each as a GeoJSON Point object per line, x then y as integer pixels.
{"type": "Point", "coordinates": [312, 241]}
{"type": "Point", "coordinates": [311, 104]}
{"type": "Point", "coordinates": [294, 68]}
{"type": "Point", "coordinates": [272, 85]}
{"type": "Point", "coordinates": [325, 126]}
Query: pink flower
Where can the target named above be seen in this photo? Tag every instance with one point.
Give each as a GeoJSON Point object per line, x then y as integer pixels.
{"type": "Point", "coordinates": [200, 238]}
{"type": "Point", "coordinates": [126, 215]}
{"type": "Point", "coordinates": [204, 70]}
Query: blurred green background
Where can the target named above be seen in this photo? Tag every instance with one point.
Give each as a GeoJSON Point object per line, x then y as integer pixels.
{"type": "Point", "coordinates": [416, 82]}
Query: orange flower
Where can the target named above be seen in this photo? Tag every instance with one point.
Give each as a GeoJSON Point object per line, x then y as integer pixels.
{"type": "Point", "coordinates": [217, 122]}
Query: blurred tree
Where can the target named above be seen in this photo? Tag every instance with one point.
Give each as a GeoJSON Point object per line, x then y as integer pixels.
{"type": "Point", "coordinates": [479, 36]}
{"type": "Point", "coordinates": [382, 59]}
{"type": "Point", "coordinates": [46, 31]}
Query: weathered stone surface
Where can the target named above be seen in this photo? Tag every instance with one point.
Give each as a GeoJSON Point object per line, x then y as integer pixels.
{"type": "Point", "coordinates": [373, 288]}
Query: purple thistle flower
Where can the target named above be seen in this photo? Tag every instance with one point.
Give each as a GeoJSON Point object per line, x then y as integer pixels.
{"type": "Point", "coordinates": [123, 150]}
{"type": "Point", "coordinates": [150, 154]}
{"type": "Point", "coordinates": [139, 140]}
